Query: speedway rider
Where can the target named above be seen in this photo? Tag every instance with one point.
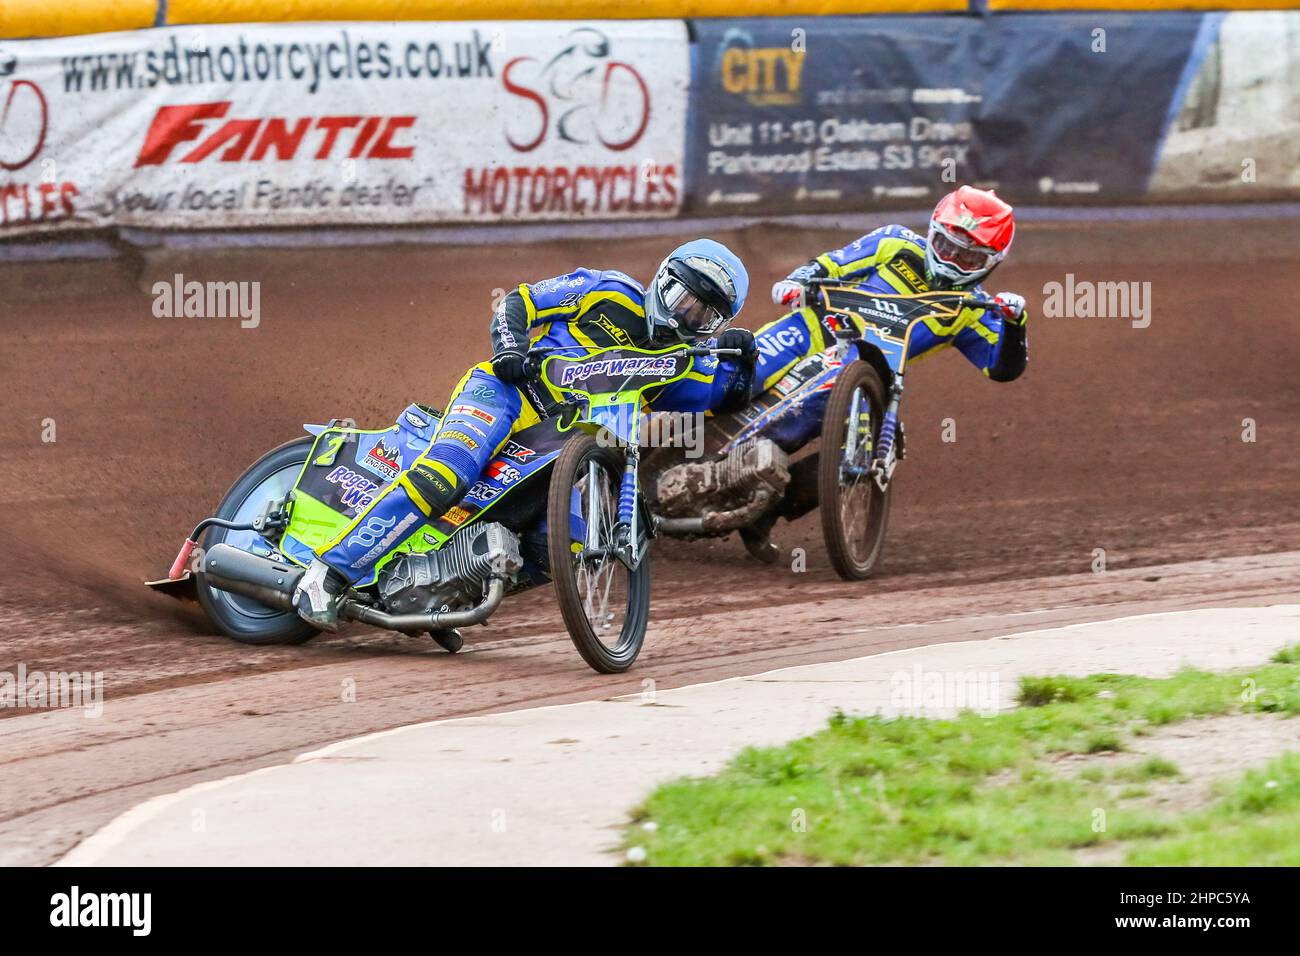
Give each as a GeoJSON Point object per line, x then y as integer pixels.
{"type": "Point", "coordinates": [970, 233]}
{"type": "Point", "coordinates": [696, 292]}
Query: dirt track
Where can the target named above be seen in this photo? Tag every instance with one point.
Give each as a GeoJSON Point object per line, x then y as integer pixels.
{"type": "Point", "coordinates": [1117, 438]}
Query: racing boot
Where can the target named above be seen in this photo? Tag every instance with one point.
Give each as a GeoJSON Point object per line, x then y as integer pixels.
{"type": "Point", "coordinates": [316, 598]}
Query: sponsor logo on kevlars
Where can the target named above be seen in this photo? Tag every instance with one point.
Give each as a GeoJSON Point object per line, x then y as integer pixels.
{"type": "Point", "coordinates": [386, 542]}
{"type": "Point", "coordinates": [456, 517]}
{"type": "Point", "coordinates": [474, 412]}
{"type": "Point", "coordinates": [518, 452]}
{"type": "Point", "coordinates": [484, 491]}
{"type": "Point", "coordinates": [506, 474]}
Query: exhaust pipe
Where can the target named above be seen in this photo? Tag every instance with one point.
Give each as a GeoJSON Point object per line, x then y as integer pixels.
{"type": "Point", "coordinates": [428, 620]}
{"type": "Point", "coordinates": [273, 582]}
{"type": "Point", "coordinates": [717, 522]}
{"type": "Point", "coordinates": [690, 525]}
{"type": "Point", "coordinates": [250, 575]}
{"type": "Point", "coordinates": [271, 598]}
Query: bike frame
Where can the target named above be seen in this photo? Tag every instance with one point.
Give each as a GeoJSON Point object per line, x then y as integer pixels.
{"type": "Point", "coordinates": [607, 387]}
{"type": "Point", "coordinates": [885, 326]}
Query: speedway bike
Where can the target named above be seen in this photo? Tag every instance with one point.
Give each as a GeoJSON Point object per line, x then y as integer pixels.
{"type": "Point", "coordinates": [562, 501]}
{"type": "Point", "coordinates": [827, 434]}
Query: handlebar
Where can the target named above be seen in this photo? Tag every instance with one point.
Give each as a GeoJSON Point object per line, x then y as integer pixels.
{"type": "Point", "coordinates": [533, 358]}
{"type": "Point", "coordinates": [706, 350]}
{"type": "Point", "coordinates": [980, 298]}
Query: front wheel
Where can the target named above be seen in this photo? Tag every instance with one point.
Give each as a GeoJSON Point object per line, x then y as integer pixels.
{"type": "Point", "coordinates": [605, 606]}
{"type": "Point", "coordinates": [236, 616]}
{"type": "Point", "coordinates": [854, 510]}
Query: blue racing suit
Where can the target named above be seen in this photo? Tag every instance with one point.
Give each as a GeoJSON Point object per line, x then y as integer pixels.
{"type": "Point", "coordinates": [583, 310]}
{"type": "Point", "coordinates": [890, 260]}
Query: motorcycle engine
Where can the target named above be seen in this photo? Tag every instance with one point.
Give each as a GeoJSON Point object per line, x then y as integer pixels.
{"type": "Point", "coordinates": [452, 578]}
{"type": "Point", "coordinates": [731, 490]}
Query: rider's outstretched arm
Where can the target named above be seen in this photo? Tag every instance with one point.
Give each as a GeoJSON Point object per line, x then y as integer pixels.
{"type": "Point", "coordinates": [996, 345]}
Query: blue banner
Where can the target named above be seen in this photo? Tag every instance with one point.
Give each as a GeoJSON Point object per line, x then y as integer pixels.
{"type": "Point", "coordinates": [823, 114]}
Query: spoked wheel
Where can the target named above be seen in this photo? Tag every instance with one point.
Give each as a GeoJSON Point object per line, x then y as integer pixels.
{"type": "Point", "coordinates": [237, 616]}
{"type": "Point", "coordinates": [854, 510]}
{"type": "Point", "coordinates": [605, 606]}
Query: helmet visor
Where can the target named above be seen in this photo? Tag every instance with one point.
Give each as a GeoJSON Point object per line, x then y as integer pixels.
{"type": "Point", "coordinates": [685, 308]}
{"type": "Point", "coordinates": [961, 252]}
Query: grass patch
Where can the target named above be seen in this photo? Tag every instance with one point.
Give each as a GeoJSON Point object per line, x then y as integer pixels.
{"type": "Point", "coordinates": [1287, 655]}
{"type": "Point", "coordinates": [1256, 822]}
{"type": "Point", "coordinates": [1102, 741]}
{"type": "Point", "coordinates": [1041, 691]}
{"type": "Point", "coordinates": [976, 790]}
{"type": "Point", "coordinates": [1153, 768]}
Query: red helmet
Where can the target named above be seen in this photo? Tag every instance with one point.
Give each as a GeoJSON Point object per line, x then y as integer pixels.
{"type": "Point", "coordinates": [970, 231]}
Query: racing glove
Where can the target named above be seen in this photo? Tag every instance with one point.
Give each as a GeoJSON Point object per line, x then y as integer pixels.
{"type": "Point", "coordinates": [509, 366]}
{"type": "Point", "coordinates": [787, 292]}
{"type": "Point", "coordinates": [1013, 349]}
{"type": "Point", "coordinates": [1011, 306]}
{"type": "Point", "coordinates": [741, 339]}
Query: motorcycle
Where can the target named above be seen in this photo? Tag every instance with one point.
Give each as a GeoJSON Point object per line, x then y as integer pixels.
{"type": "Point", "coordinates": [562, 501]}
{"type": "Point", "coordinates": [749, 471]}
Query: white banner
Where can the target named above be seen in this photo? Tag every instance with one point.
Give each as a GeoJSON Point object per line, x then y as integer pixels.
{"type": "Point", "coordinates": [252, 125]}
{"type": "Point", "coordinates": [1236, 135]}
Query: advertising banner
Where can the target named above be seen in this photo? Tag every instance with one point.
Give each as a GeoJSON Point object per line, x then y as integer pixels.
{"type": "Point", "coordinates": [343, 124]}
{"type": "Point", "coordinates": [850, 113]}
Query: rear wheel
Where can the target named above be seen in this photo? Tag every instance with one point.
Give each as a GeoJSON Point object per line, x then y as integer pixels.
{"type": "Point", "coordinates": [854, 510]}
{"type": "Point", "coordinates": [605, 606]}
{"type": "Point", "coordinates": [236, 616]}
